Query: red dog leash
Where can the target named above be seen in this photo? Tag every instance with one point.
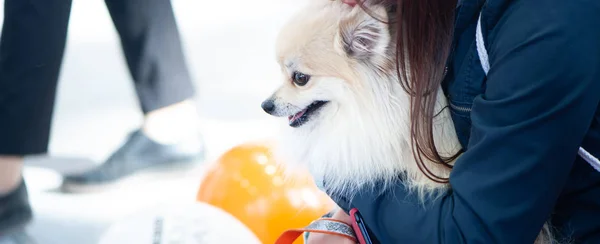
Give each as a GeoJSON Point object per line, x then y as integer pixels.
{"type": "Point", "coordinates": [324, 226]}
{"type": "Point", "coordinates": [331, 227]}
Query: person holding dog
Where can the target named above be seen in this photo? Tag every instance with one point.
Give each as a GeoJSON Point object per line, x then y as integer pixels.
{"type": "Point", "coordinates": [522, 79]}
{"type": "Point", "coordinates": [31, 52]}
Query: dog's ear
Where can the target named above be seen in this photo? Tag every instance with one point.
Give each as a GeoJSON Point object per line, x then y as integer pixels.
{"type": "Point", "coordinates": [365, 34]}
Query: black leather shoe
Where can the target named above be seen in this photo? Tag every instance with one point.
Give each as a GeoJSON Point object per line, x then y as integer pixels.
{"type": "Point", "coordinates": [138, 153]}
{"type": "Point", "coordinates": [15, 211]}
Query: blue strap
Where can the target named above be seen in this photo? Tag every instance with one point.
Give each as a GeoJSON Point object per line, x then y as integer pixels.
{"type": "Point", "coordinates": [485, 64]}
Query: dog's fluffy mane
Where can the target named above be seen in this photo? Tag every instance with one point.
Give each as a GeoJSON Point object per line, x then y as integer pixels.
{"type": "Point", "coordinates": [365, 140]}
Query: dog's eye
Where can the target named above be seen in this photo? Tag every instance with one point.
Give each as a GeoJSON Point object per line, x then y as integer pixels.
{"type": "Point", "coordinates": [300, 79]}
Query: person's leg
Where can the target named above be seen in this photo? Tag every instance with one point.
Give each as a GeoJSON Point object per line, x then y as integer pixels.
{"type": "Point", "coordinates": [10, 173]}
{"type": "Point", "coordinates": [31, 51]}
{"type": "Point", "coordinates": [15, 210]}
{"type": "Point", "coordinates": [151, 43]}
{"type": "Point", "coordinates": [153, 50]}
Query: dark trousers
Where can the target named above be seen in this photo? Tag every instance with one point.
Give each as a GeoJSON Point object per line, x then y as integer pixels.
{"type": "Point", "coordinates": [31, 52]}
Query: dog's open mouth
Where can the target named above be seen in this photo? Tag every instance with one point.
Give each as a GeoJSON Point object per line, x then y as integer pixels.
{"type": "Point", "coordinates": [303, 116]}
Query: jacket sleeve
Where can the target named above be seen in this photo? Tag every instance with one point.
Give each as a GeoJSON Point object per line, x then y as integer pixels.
{"type": "Point", "coordinates": [543, 89]}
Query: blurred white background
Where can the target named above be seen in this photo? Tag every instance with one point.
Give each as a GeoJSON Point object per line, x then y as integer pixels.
{"type": "Point", "coordinates": [230, 50]}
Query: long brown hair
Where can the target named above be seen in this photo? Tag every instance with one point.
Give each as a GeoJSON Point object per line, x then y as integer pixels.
{"type": "Point", "coordinates": [424, 31]}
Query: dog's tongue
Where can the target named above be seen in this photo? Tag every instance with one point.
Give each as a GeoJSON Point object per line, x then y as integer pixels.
{"type": "Point", "coordinates": [297, 116]}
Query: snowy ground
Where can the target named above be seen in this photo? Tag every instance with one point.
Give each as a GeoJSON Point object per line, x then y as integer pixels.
{"type": "Point", "coordinates": [229, 46]}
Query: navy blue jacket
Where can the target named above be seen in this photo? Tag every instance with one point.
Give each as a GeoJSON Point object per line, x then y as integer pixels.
{"type": "Point", "coordinates": [521, 127]}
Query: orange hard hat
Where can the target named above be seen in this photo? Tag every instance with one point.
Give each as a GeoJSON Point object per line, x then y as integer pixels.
{"type": "Point", "coordinates": [248, 183]}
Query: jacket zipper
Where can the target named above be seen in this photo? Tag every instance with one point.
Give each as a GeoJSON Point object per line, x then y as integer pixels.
{"type": "Point", "coordinates": [459, 108]}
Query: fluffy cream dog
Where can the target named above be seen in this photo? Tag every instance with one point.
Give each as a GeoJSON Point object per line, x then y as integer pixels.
{"type": "Point", "coordinates": [348, 116]}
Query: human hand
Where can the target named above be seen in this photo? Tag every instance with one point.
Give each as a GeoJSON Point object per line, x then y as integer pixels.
{"type": "Point", "coordinates": [318, 238]}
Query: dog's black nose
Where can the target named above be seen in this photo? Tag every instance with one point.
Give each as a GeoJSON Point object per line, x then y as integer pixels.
{"type": "Point", "coordinates": [268, 106]}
